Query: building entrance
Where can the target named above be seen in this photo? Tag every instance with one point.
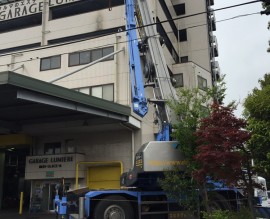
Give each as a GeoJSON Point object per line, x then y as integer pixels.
{"type": "Point", "coordinates": [12, 174]}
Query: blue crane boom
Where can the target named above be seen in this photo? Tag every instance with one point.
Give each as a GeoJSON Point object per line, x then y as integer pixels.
{"type": "Point", "coordinates": [137, 85]}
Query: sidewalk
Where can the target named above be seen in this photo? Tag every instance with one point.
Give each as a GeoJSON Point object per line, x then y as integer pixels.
{"type": "Point", "coordinates": [13, 214]}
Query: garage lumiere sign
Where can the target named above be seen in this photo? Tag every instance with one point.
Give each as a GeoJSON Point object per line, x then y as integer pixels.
{"type": "Point", "coordinates": [52, 166]}
{"type": "Point", "coordinates": [27, 7]}
{"type": "Point", "coordinates": [50, 162]}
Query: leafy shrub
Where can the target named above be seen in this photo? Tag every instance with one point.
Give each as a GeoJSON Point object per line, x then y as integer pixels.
{"type": "Point", "coordinates": [244, 213]}
{"type": "Point", "coordinates": [217, 214]}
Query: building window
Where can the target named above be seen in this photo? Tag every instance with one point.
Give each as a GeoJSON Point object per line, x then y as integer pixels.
{"type": "Point", "coordinates": [96, 54]}
{"type": "Point", "coordinates": [52, 148]}
{"type": "Point", "coordinates": [182, 35]}
{"type": "Point", "coordinates": [178, 80]}
{"type": "Point", "coordinates": [85, 90]}
{"type": "Point", "coordinates": [80, 7]}
{"type": "Point", "coordinates": [180, 9]}
{"type": "Point", "coordinates": [79, 58]}
{"type": "Point", "coordinates": [103, 91]}
{"type": "Point", "coordinates": [85, 57]}
{"type": "Point", "coordinates": [22, 22]}
{"type": "Point", "coordinates": [202, 83]}
{"type": "Point", "coordinates": [49, 63]}
{"type": "Point", "coordinates": [107, 51]}
{"type": "Point", "coordinates": [184, 59]}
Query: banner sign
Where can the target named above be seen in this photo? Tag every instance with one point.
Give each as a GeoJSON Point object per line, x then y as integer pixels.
{"type": "Point", "coordinates": [52, 166]}
{"type": "Point", "coordinates": [27, 7]}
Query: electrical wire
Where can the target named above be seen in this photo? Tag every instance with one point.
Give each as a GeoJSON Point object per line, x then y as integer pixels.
{"type": "Point", "coordinates": [182, 17]}
{"type": "Point", "coordinates": [110, 44]}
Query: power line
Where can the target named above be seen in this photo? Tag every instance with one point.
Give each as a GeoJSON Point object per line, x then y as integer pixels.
{"type": "Point", "coordinates": [196, 14]}
{"type": "Point", "coordinates": [111, 44]}
{"type": "Point", "coordinates": [200, 13]}
{"type": "Point", "coordinates": [226, 19]}
{"type": "Point", "coordinates": [182, 17]}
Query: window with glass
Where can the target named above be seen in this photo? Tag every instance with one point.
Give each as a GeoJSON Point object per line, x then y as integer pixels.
{"type": "Point", "coordinates": [184, 59]}
{"type": "Point", "coordinates": [182, 35]}
{"type": "Point", "coordinates": [180, 9]}
{"type": "Point", "coordinates": [103, 91]}
{"type": "Point", "coordinates": [49, 63]}
{"type": "Point", "coordinates": [202, 83]}
{"type": "Point", "coordinates": [52, 148]}
{"type": "Point", "coordinates": [178, 80]}
{"type": "Point", "coordinates": [85, 57]}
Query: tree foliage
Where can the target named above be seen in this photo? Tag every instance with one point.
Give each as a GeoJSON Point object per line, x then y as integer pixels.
{"type": "Point", "coordinates": [257, 112]}
{"type": "Point", "coordinates": [221, 151]}
{"type": "Point", "coordinates": [190, 107]}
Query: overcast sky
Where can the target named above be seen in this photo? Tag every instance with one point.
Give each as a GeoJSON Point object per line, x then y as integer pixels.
{"type": "Point", "coordinates": [242, 44]}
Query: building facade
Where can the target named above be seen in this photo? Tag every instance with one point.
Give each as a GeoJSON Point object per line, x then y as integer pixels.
{"type": "Point", "coordinates": [57, 126]}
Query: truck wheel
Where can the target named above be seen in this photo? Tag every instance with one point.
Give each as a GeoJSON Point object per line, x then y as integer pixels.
{"type": "Point", "coordinates": [113, 207]}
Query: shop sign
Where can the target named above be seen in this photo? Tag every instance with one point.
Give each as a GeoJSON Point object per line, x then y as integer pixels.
{"type": "Point", "coordinates": [53, 166]}
{"type": "Point", "coordinates": [27, 7]}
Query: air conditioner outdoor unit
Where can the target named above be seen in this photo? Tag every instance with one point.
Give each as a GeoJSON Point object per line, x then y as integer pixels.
{"type": "Point", "coordinates": [210, 2]}
{"type": "Point", "coordinates": [214, 64]}
{"type": "Point", "coordinates": [212, 20]}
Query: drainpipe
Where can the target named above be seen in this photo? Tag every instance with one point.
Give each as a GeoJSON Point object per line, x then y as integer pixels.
{"type": "Point", "coordinates": [43, 25]}
{"type": "Point", "coordinates": [116, 90]}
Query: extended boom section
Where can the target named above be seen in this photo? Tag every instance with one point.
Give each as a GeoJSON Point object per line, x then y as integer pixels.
{"type": "Point", "coordinates": [138, 98]}
{"type": "Point", "coordinates": [156, 68]}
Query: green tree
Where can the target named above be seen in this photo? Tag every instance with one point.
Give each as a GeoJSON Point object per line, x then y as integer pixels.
{"type": "Point", "coordinates": [257, 112]}
{"type": "Point", "coordinates": [190, 107]}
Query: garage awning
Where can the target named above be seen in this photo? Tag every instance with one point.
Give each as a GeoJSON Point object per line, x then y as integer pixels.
{"type": "Point", "coordinates": [25, 100]}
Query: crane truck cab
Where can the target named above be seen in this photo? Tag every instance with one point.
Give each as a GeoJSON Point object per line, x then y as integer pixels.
{"type": "Point", "coordinates": [150, 162]}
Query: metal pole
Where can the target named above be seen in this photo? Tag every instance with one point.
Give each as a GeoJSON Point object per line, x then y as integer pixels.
{"type": "Point", "coordinates": [21, 66]}
{"type": "Point", "coordinates": [77, 175]}
{"type": "Point", "coordinates": [92, 63]}
{"type": "Point", "coordinates": [21, 203]}
{"type": "Point", "coordinates": [81, 207]}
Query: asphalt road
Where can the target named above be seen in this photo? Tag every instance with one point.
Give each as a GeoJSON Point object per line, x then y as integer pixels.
{"type": "Point", "coordinates": [13, 214]}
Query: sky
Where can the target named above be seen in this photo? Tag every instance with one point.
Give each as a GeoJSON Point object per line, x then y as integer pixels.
{"type": "Point", "coordinates": [242, 44]}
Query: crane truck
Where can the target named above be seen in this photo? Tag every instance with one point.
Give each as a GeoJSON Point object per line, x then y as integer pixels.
{"type": "Point", "coordinates": [141, 196]}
